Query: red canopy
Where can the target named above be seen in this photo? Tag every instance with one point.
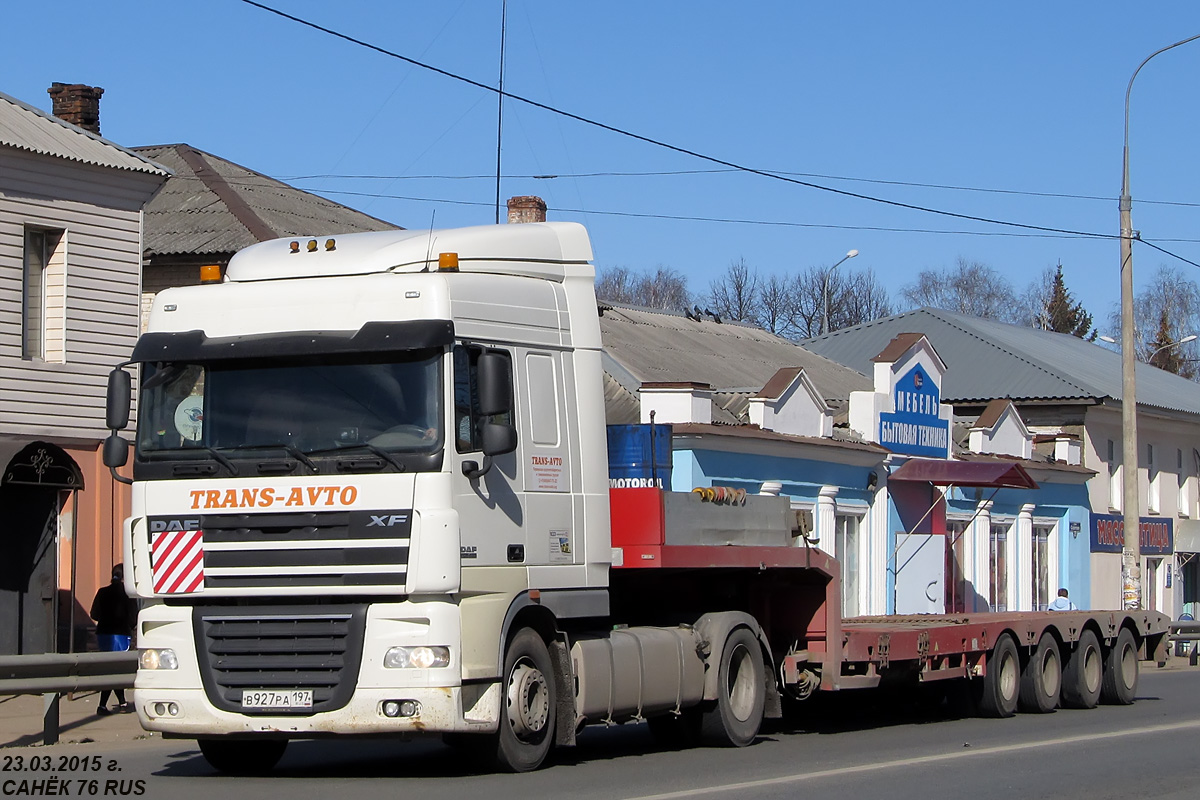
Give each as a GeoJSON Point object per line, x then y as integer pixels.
{"type": "Point", "coordinates": [965, 473]}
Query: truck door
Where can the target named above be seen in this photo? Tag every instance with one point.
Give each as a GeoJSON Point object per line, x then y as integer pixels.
{"type": "Point", "coordinates": [491, 507]}
{"type": "Point", "coordinates": [550, 534]}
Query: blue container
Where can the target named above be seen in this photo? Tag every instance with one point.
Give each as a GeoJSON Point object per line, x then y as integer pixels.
{"type": "Point", "coordinates": [639, 456]}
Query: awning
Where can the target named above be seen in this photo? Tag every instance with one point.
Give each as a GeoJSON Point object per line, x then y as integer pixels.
{"type": "Point", "coordinates": [964, 473]}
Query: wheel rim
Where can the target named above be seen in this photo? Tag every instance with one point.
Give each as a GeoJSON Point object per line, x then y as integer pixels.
{"type": "Point", "coordinates": [1128, 667]}
{"type": "Point", "coordinates": [1008, 682]}
{"type": "Point", "coordinates": [1051, 674]}
{"type": "Point", "coordinates": [528, 700]}
{"type": "Point", "coordinates": [741, 689]}
{"type": "Point", "coordinates": [1093, 670]}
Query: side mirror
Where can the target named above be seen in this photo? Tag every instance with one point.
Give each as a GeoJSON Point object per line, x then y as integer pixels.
{"type": "Point", "coordinates": [116, 452]}
{"type": "Point", "coordinates": [498, 439]}
{"type": "Point", "coordinates": [120, 395]}
{"type": "Point", "coordinates": [494, 383]}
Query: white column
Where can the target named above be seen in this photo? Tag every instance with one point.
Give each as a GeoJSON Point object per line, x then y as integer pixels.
{"type": "Point", "coordinates": [982, 536]}
{"type": "Point", "coordinates": [827, 518]}
{"type": "Point", "coordinates": [875, 566]}
{"type": "Point", "coordinates": [1021, 578]}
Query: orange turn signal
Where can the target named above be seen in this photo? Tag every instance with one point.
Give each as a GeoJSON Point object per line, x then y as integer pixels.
{"type": "Point", "coordinates": [210, 273]}
{"type": "Point", "coordinates": [448, 262]}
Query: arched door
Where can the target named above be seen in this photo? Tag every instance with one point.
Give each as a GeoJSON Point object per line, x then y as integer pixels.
{"type": "Point", "coordinates": [35, 486]}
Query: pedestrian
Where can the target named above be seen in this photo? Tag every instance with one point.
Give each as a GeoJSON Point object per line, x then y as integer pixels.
{"type": "Point", "coordinates": [115, 615]}
{"type": "Point", "coordinates": [1062, 602]}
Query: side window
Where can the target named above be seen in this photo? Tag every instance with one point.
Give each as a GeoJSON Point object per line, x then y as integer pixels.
{"type": "Point", "coordinates": [467, 416]}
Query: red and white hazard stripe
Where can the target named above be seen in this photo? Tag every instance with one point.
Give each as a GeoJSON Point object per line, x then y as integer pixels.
{"type": "Point", "coordinates": [177, 559]}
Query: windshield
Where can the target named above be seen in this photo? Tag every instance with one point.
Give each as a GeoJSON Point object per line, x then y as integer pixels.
{"type": "Point", "coordinates": [315, 405]}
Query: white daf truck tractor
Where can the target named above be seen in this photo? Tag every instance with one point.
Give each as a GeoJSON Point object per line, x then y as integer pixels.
{"type": "Point", "coordinates": [371, 497]}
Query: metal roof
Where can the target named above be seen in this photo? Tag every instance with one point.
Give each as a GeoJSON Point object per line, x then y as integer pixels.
{"type": "Point", "coordinates": [645, 345]}
{"type": "Point", "coordinates": [30, 129]}
{"type": "Point", "coordinates": [987, 360]}
{"type": "Point", "coordinates": [214, 206]}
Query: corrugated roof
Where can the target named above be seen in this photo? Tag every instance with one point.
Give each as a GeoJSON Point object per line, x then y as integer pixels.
{"type": "Point", "coordinates": [987, 360]}
{"type": "Point", "coordinates": [27, 128]}
{"type": "Point", "coordinates": [214, 206]}
{"type": "Point", "coordinates": [660, 346]}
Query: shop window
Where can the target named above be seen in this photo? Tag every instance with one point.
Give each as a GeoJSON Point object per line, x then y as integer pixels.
{"type": "Point", "coordinates": [1186, 484]}
{"type": "Point", "coordinates": [1114, 478]}
{"type": "Point", "coordinates": [846, 551]}
{"type": "Point", "coordinates": [956, 580]}
{"type": "Point", "coordinates": [998, 590]}
{"type": "Point", "coordinates": [1044, 590]}
{"type": "Point", "coordinates": [1154, 494]}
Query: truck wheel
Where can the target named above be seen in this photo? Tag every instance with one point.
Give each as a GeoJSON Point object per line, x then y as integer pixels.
{"type": "Point", "coordinates": [527, 723]}
{"type": "Point", "coordinates": [1120, 671]}
{"type": "Point", "coordinates": [741, 693]}
{"type": "Point", "coordinates": [242, 756]}
{"type": "Point", "coordinates": [1002, 681]}
{"type": "Point", "coordinates": [1041, 680]}
{"type": "Point", "coordinates": [1084, 673]}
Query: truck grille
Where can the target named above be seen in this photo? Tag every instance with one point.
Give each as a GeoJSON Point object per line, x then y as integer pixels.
{"type": "Point", "coordinates": [245, 648]}
{"type": "Point", "coordinates": [349, 550]}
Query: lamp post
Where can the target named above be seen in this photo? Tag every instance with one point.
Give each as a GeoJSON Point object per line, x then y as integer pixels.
{"type": "Point", "coordinates": [1184, 340]}
{"type": "Point", "coordinates": [825, 289]}
{"type": "Point", "coordinates": [1131, 552]}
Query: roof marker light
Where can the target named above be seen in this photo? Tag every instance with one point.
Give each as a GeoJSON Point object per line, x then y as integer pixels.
{"type": "Point", "coordinates": [294, 247]}
{"type": "Point", "coordinates": [330, 244]}
{"type": "Point", "coordinates": [312, 245]}
{"type": "Point", "coordinates": [210, 273]}
{"type": "Point", "coordinates": [448, 262]}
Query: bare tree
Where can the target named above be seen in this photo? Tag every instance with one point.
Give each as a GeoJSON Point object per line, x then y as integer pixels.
{"type": "Point", "coordinates": [1165, 311]}
{"type": "Point", "coordinates": [736, 295]}
{"type": "Point", "coordinates": [864, 298]}
{"type": "Point", "coordinates": [775, 302]}
{"type": "Point", "coordinates": [970, 288]}
{"type": "Point", "coordinates": [664, 288]}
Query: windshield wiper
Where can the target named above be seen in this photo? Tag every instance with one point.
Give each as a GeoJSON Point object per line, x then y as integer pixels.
{"type": "Point", "coordinates": [220, 459]}
{"type": "Point", "coordinates": [378, 451]}
{"type": "Point", "coordinates": [287, 447]}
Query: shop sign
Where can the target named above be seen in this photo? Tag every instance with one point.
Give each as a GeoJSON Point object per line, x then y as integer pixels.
{"type": "Point", "coordinates": [1157, 534]}
{"type": "Point", "coordinates": [917, 427]}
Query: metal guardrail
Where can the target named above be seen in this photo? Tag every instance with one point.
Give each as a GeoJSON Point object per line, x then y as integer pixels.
{"type": "Point", "coordinates": [1185, 631]}
{"type": "Point", "coordinates": [54, 674]}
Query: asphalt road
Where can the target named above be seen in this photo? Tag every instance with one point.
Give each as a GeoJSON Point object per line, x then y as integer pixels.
{"type": "Point", "coordinates": [868, 747]}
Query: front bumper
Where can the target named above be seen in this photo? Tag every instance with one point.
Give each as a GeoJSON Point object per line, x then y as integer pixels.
{"type": "Point", "coordinates": [176, 702]}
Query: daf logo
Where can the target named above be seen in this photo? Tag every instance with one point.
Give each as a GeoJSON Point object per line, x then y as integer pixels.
{"type": "Point", "coordinates": [387, 521]}
{"type": "Point", "coordinates": [162, 525]}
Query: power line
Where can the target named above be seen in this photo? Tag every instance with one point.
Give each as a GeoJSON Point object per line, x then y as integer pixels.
{"type": "Point", "coordinates": [666, 145]}
{"type": "Point", "coordinates": [677, 172]}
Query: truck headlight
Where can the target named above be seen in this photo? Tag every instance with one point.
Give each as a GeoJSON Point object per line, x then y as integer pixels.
{"type": "Point", "coordinates": [419, 657]}
{"type": "Point", "coordinates": [158, 658]}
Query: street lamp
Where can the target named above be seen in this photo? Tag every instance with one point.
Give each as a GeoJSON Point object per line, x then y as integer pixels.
{"type": "Point", "coordinates": [1184, 340]}
{"type": "Point", "coordinates": [825, 288]}
{"type": "Point", "coordinates": [1131, 552]}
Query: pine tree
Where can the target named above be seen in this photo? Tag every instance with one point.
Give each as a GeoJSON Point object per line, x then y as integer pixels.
{"type": "Point", "coordinates": [1063, 315]}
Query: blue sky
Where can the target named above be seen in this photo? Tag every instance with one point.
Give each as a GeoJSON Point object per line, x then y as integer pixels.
{"type": "Point", "coordinates": [1022, 97]}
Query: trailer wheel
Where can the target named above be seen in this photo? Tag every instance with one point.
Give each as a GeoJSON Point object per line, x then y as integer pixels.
{"type": "Point", "coordinates": [527, 723]}
{"type": "Point", "coordinates": [1084, 673]}
{"type": "Point", "coordinates": [242, 756]}
{"type": "Point", "coordinates": [1120, 671]}
{"type": "Point", "coordinates": [1041, 680]}
{"type": "Point", "coordinates": [1002, 681]}
{"type": "Point", "coordinates": [741, 693]}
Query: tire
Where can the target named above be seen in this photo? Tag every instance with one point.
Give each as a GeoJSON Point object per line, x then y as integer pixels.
{"type": "Point", "coordinates": [242, 756]}
{"type": "Point", "coordinates": [677, 732]}
{"type": "Point", "coordinates": [741, 693]}
{"type": "Point", "coordinates": [1002, 681]}
{"type": "Point", "coordinates": [1120, 671]}
{"type": "Point", "coordinates": [1041, 680]}
{"type": "Point", "coordinates": [1084, 673]}
{"type": "Point", "coordinates": [527, 721]}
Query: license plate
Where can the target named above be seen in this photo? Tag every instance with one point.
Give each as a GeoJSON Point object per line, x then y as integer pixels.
{"type": "Point", "coordinates": [277, 698]}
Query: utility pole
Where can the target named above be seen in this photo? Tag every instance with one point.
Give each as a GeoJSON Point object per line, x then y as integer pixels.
{"type": "Point", "coordinates": [1131, 552]}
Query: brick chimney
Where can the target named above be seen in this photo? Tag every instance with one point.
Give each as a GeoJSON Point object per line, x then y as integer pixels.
{"type": "Point", "coordinates": [77, 104]}
{"type": "Point", "coordinates": [526, 209]}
